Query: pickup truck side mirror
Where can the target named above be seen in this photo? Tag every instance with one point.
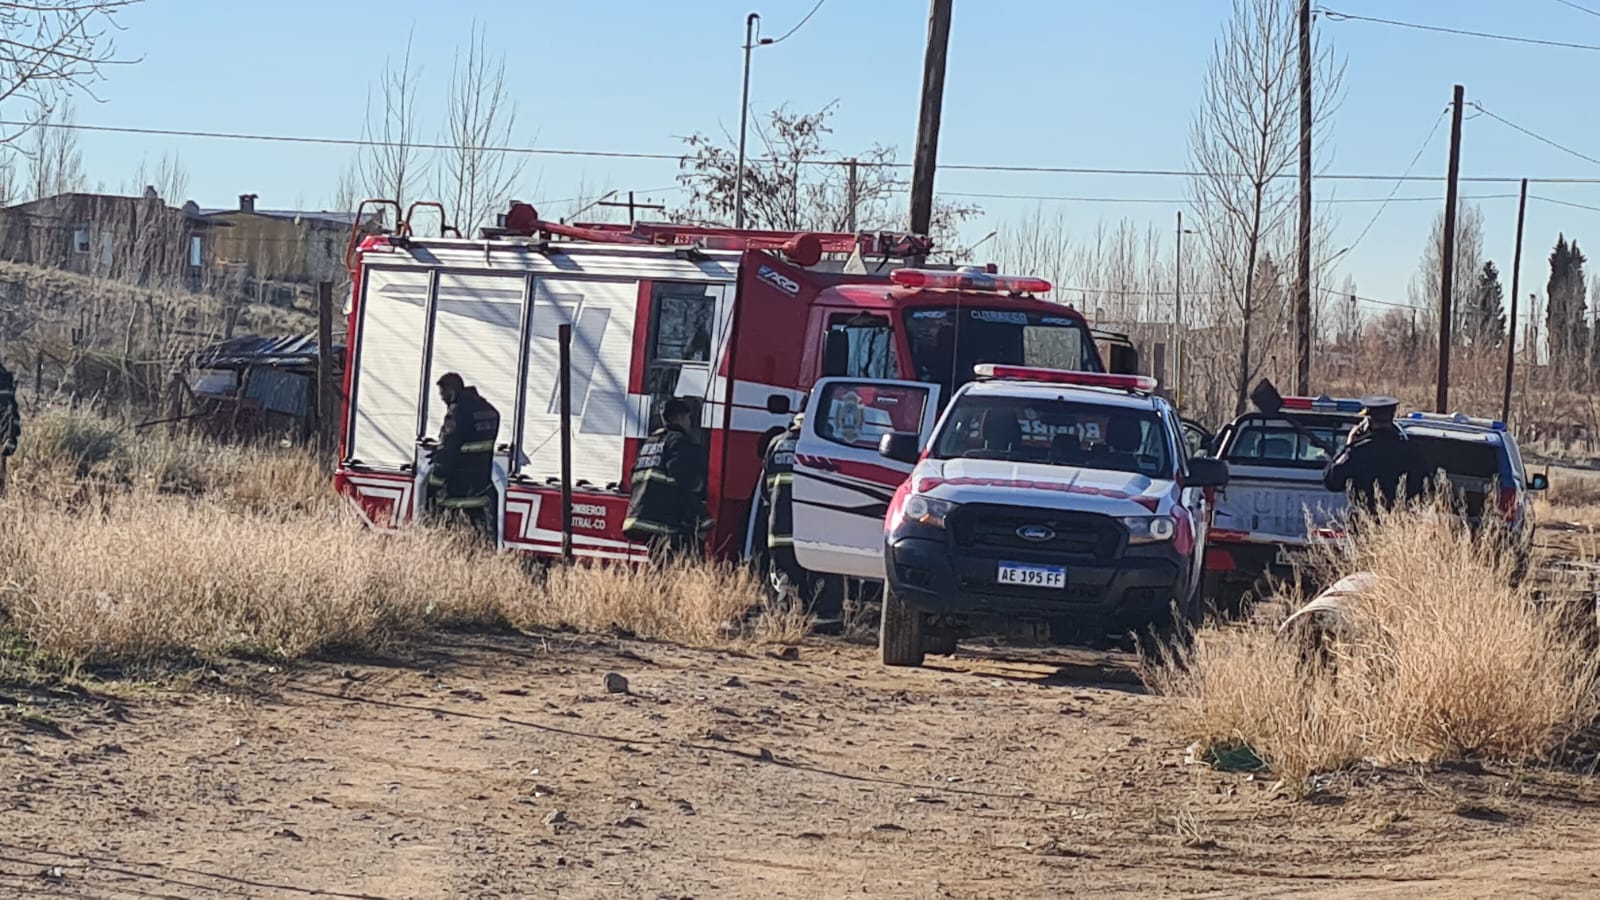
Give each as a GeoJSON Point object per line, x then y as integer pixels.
{"type": "Point", "coordinates": [778, 404]}
{"type": "Point", "coordinates": [1539, 482]}
{"type": "Point", "coordinates": [900, 446]}
{"type": "Point", "coordinates": [1207, 473]}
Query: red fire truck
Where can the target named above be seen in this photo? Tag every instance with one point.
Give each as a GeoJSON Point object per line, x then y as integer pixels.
{"type": "Point", "coordinates": [740, 323]}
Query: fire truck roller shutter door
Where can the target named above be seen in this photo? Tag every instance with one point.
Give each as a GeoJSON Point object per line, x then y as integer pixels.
{"type": "Point", "coordinates": [388, 378]}
{"type": "Point", "coordinates": [475, 333]}
{"type": "Point", "coordinates": [601, 312]}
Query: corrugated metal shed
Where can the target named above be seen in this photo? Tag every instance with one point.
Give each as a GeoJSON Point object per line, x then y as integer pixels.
{"type": "Point", "coordinates": [294, 352]}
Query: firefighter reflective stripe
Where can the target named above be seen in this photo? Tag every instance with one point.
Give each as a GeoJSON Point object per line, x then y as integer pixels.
{"type": "Point", "coordinates": [780, 540]}
{"type": "Point", "coordinates": [634, 523]}
{"type": "Point", "coordinates": [464, 502]}
{"type": "Point", "coordinates": [435, 480]}
{"type": "Point", "coordinates": [654, 475]}
{"type": "Point", "coordinates": [779, 479]}
{"type": "Point", "coordinates": [478, 447]}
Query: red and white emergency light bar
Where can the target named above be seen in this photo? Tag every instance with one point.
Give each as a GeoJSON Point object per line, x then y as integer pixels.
{"type": "Point", "coordinates": [969, 281]}
{"type": "Point", "coordinates": [1323, 404]}
{"type": "Point", "coordinates": [998, 372]}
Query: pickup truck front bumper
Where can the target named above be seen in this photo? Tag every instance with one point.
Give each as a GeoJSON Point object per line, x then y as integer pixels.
{"type": "Point", "coordinates": [1134, 589]}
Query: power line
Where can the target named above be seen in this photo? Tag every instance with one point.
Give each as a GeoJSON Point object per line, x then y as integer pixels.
{"type": "Point", "coordinates": [677, 157]}
{"type": "Point", "coordinates": [1563, 203]}
{"type": "Point", "coordinates": [790, 32]}
{"type": "Point", "coordinates": [1538, 137]}
{"type": "Point", "coordinates": [1182, 201]}
{"type": "Point", "coordinates": [1392, 191]}
{"type": "Point", "coordinates": [1336, 16]}
{"type": "Point", "coordinates": [1579, 7]}
{"type": "Point", "coordinates": [1360, 299]}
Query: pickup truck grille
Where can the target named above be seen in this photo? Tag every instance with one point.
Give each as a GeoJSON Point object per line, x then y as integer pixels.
{"type": "Point", "coordinates": [997, 528]}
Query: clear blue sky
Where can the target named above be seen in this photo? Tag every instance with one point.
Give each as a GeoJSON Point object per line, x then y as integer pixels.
{"type": "Point", "coordinates": [1049, 82]}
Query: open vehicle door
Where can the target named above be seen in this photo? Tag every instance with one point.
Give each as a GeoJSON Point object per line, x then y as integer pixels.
{"type": "Point", "coordinates": [842, 486]}
{"type": "Point", "coordinates": [1197, 437]}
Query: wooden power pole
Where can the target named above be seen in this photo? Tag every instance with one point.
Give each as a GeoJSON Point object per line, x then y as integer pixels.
{"type": "Point", "coordinates": [1302, 298]}
{"type": "Point", "coordinates": [927, 157]}
{"type": "Point", "coordinates": [1511, 318]}
{"type": "Point", "coordinates": [1447, 258]}
{"type": "Point", "coordinates": [328, 406]}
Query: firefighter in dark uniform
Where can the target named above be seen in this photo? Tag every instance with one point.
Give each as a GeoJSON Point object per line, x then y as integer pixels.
{"type": "Point", "coordinates": [777, 488]}
{"type": "Point", "coordinates": [10, 421]}
{"type": "Point", "coordinates": [461, 482]}
{"type": "Point", "coordinates": [667, 504]}
{"type": "Point", "coordinates": [1379, 467]}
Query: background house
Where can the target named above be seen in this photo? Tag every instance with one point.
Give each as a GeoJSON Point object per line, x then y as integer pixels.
{"type": "Point", "coordinates": [140, 240]}
{"type": "Point", "coordinates": [280, 256]}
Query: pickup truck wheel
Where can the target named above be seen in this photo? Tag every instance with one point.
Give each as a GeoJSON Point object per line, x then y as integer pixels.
{"type": "Point", "coordinates": [900, 632]}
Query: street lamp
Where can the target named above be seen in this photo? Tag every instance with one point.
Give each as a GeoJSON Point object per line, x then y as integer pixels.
{"type": "Point", "coordinates": [1177, 316]}
{"type": "Point", "coordinates": [752, 25]}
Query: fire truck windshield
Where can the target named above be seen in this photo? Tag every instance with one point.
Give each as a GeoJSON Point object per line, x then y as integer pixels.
{"type": "Point", "coordinates": [947, 343]}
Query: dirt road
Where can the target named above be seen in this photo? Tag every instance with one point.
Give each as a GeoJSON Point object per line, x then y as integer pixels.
{"type": "Point", "coordinates": [502, 767]}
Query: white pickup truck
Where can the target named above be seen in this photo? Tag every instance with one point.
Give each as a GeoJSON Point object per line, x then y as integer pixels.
{"type": "Point", "coordinates": [1274, 502]}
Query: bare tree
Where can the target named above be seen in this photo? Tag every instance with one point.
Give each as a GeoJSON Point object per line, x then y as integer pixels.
{"type": "Point", "coordinates": [50, 49]}
{"type": "Point", "coordinates": [168, 176]}
{"type": "Point", "coordinates": [1244, 141]}
{"type": "Point", "coordinates": [474, 180]}
{"type": "Point", "coordinates": [55, 163]}
{"type": "Point", "coordinates": [800, 184]}
{"type": "Point", "coordinates": [1424, 288]}
{"type": "Point", "coordinates": [394, 165]}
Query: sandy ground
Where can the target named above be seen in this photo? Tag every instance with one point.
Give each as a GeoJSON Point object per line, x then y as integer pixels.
{"type": "Point", "coordinates": [501, 766]}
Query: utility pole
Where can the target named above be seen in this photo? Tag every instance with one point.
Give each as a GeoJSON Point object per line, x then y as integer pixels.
{"type": "Point", "coordinates": [1511, 318]}
{"type": "Point", "coordinates": [632, 206]}
{"type": "Point", "coordinates": [927, 153]}
{"type": "Point", "coordinates": [1302, 296]}
{"type": "Point", "coordinates": [1177, 315]}
{"type": "Point", "coordinates": [852, 196]}
{"type": "Point", "coordinates": [1447, 258]}
{"type": "Point", "coordinates": [327, 390]}
{"type": "Point", "coordinates": [751, 23]}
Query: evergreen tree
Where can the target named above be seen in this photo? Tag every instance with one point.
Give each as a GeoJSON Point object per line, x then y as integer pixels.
{"type": "Point", "coordinates": [1567, 313]}
{"type": "Point", "coordinates": [1487, 325]}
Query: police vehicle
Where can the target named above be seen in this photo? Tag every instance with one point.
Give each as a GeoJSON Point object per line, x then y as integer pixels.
{"type": "Point", "coordinates": [1039, 494]}
{"type": "Point", "coordinates": [1490, 484]}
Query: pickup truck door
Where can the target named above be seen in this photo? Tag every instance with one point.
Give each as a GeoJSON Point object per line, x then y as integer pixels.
{"type": "Point", "coordinates": [1196, 436]}
{"type": "Point", "coordinates": [842, 486]}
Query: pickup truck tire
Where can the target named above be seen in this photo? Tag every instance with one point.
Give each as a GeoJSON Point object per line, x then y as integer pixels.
{"type": "Point", "coordinates": [900, 633]}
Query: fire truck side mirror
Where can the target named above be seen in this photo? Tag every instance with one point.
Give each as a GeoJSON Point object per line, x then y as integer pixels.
{"type": "Point", "coordinates": [836, 354]}
{"type": "Point", "coordinates": [778, 404]}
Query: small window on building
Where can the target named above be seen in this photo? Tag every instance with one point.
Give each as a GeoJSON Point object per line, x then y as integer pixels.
{"type": "Point", "coordinates": [80, 239]}
{"type": "Point", "coordinates": [327, 247]}
{"type": "Point", "coordinates": [195, 248]}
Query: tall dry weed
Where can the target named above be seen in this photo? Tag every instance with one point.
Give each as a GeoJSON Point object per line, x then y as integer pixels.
{"type": "Point", "coordinates": [1446, 658]}
{"type": "Point", "coordinates": [139, 575]}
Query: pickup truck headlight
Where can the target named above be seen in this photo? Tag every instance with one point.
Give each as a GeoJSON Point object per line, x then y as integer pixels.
{"type": "Point", "coordinates": [926, 511]}
{"type": "Point", "coordinates": [1150, 529]}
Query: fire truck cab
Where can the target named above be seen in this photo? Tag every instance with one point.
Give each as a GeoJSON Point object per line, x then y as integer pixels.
{"type": "Point", "coordinates": [739, 323]}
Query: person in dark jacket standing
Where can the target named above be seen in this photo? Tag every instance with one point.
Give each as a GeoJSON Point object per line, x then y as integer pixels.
{"type": "Point", "coordinates": [777, 488]}
{"type": "Point", "coordinates": [790, 580]}
{"type": "Point", "coordinates": [461, 482]}
{"type": "Point", "coordinates": [10, 421]}
{"type": "Point", "coordinates": [667, 501]}
{"type": "Point", "coordinates": [1379, 467]}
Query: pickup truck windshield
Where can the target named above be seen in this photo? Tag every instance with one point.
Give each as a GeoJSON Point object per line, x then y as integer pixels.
{"type": "Point", "coordinates": [1270, 443]}
{"type": "Point", "coordinates": [1056, 432]}
{"type": "Point", "coordinates": [947, 343]}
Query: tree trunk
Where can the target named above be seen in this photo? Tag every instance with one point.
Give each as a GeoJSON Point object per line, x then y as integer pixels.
{"type": "Point", "coordinates": [1242, 390]}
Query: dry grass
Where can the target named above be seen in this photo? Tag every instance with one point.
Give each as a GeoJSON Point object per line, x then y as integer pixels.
{"type": "Point", "coordinates": [1445, 660]}
{"type": "Point", "coordinates": [119, 548]}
